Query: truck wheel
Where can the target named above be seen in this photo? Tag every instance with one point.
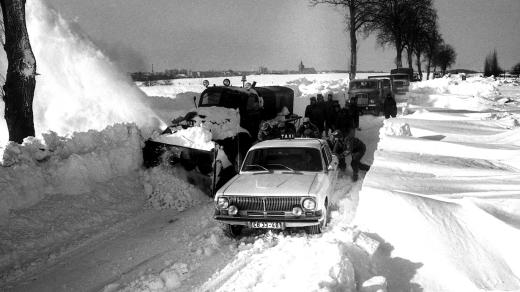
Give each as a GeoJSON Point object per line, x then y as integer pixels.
{"type": "Point", "coordinates": [232, 231]}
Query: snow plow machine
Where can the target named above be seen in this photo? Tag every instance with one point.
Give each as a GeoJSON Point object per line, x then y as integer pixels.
{"type": "Point", "coordinates": [213, 137]}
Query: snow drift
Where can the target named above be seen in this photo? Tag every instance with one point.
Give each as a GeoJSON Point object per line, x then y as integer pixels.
{"type": "Point", "coordinates": [443, 189]}
{"type": "Point", "coordinates": [69, 166]}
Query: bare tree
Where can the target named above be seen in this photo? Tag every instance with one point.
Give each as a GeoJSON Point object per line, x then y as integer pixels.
{"type": "Point", "coordinates": [421, 17]}
{"type": "Point", "coordinates": [358, 14]}
{"type": "Point", "coordinates": [20, 79]}
{"type": "Point", "coordinates": [428, 28]}
{"type": "Point", "coordinates": [433, 42]}
{"type": "Point", "coordinates": [389, 21]}
{"type": "Point", "coordinates": [491, 67]}
{"type": "Point", "coordinates": [445, 57]}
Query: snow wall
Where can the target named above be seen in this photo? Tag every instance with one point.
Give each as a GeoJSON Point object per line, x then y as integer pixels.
{"type": "Point", "coordinates": [69, 166]}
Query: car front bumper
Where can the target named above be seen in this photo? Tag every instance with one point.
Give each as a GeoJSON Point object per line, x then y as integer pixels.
{"type": "Point", "coordinates": [288, 221]}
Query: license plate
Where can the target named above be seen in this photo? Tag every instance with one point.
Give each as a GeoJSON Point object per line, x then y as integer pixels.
{"type": "Point", "coordinates": [268, 225]}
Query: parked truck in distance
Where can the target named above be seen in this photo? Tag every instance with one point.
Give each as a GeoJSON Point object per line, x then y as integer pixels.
{"type": "Point", "coordinates": [369, 94]}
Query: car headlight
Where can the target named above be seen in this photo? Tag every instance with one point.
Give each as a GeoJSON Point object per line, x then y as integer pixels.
{"type": "Point", "coordinates": [309, 204]}
{"type": "Point", "coordinates": [222, 203]}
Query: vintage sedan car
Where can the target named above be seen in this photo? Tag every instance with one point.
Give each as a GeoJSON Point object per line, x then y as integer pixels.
{"type": "Point", "coordinates": [283, 183]}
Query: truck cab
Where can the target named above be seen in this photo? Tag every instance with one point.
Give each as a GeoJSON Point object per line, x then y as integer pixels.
{"type": "Point", "coordinates": [369, 94]}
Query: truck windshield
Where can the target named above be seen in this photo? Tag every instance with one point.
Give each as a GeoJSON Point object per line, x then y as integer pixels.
{"type": "Point", "coordinates": [211, 98]}
{"type": "Point", "coordinates": [401, 77]}
{"type": "Point", "coordinates": [363, 84]}
{"type": "Point", "coordinates": [284, 159]}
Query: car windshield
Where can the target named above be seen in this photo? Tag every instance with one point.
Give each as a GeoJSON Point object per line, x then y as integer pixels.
{"type": "Point", "coordinates": [363, 84]}
{"type": "Point", "coordinates": [284, 159]}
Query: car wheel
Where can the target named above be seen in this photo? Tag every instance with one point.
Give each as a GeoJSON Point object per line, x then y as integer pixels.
{"type": "Point", "coordinates": [232, 231]}
{"type": "Point", "coordinates": [318, 229]}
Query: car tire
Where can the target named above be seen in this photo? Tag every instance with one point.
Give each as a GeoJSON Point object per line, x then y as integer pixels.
{"type": "Point", "coordinates": [318, 229]}
{"type": "Point", "coordinates": [232, 231]}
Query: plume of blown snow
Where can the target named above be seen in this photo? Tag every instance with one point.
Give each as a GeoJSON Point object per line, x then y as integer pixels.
{"type": "Point", "coordinates": [77, 88]}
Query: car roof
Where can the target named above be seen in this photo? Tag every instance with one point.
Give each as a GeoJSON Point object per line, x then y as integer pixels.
{"type": "Point", "coordinates": [296, 142]}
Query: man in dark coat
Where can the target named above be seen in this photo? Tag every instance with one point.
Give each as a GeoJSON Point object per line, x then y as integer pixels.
{"type": "Point", "coordinates": [315, 112]}
{"type": "Point", "coordinates": [320, 114]}
{"type": "Point", "coordinates": [310, 107]}
{"type": "Point", "coordinates": [344, 121]}
{"type": "Point", "coordinates": [330, 114]}
{"type": "Point", "coordinates": [390, 107]}
{"type": "Point", "coordinates": [354, 112]}
{"type": "Point", "coordinates": [349, 145]}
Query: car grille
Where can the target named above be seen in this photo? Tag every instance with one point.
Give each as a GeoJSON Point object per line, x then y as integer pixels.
{"type": "Point", "coordinates": [265, 203]}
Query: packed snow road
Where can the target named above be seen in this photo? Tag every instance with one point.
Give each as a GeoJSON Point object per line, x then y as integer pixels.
{"type": "Point", "coordinates": [187, 251]}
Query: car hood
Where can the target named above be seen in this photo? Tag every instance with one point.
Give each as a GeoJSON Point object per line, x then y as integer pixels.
{"type": "Point", "coordinates": [280, 184]}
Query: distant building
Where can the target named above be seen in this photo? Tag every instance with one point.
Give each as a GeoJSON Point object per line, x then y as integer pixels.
{"type": "Point", "coordinates": [303, 70]}
{"type": "Point", "coordinates": [262, 70]}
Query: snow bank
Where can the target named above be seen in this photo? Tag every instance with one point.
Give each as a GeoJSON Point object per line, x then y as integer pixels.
{"type": "Point", "coordinates": [69, 166]}
{"type": "Point", "coordinates": [443, 189]}
{"type": "Point", "coordinates": [452, 93]}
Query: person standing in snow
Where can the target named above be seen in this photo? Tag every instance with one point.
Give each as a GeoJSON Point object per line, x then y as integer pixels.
{"type": "Point", "coordinates": [330, 117]}
{"type": "Point", "coordinates": [315, 114]}
{"type": "Point", "coordinates": [349, 145]}
{"type": "Point", "coordinates": [344, 121]}
{"type": "Point", "coordinates": [320, 113]}
{"type": "Point", "coordinates": [389, 107]}
{"type": "Point", "coordinates": [354, 112]}
{"type": "Point", "coordinates": [310, 107]}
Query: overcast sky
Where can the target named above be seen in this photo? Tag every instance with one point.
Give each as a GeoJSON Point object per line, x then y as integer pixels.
{"type": "Point", "coordinates": [246, 34]}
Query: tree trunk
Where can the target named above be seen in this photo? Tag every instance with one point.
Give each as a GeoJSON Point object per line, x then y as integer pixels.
{"type": "Point", "coordinates": [398, 58]}
{"type": "Point", "coordinates": [353, 44]}
{"type": "Point", "coordinates": [418, 60]}
{"type": "Point", "coordinates": [409, 55]}
{"type": "Point", "coordinates": [428, 69]}
{"type": "Point", "coordinates": [21, 71]}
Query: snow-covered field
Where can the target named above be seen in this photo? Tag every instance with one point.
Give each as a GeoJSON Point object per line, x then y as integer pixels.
{"type": "Point", "coordinates": [439, 209]}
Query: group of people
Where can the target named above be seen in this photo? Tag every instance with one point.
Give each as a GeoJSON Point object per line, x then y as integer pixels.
{"type": "Point", "coordinates": [329, 116]}
{"type": "Point", "coordinates": [327, 120]}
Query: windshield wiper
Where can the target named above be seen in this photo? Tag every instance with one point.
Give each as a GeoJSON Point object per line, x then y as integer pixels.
{"type": "Point", "coordinates": [282, 165]}
{"type": "Point", "coordinates": [257, 165]}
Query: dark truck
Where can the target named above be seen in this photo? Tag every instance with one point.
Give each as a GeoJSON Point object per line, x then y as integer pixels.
{"type": "Point", "coordinates": [369, 94]}
{"type": "Point", "coordinates": [254, 105]}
